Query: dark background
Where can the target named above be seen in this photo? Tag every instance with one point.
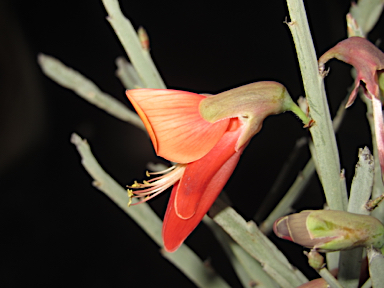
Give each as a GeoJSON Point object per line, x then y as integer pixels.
{"type": "Point", "coordinates": [59, 231]}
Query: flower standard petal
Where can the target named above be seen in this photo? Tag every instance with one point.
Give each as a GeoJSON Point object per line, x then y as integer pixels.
{"type": "Point", "coordinates": [214, 178]}
{"type": "Point", "coordinates": [172, 118]}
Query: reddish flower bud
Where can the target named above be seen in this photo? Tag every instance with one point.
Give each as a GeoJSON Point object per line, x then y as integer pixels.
{"type": "Point", "coordinates": [365, 57]}
{"type": "Point", "coordinates": [368, 61]}
{"type": "Point", "coordinates": [330, 230]}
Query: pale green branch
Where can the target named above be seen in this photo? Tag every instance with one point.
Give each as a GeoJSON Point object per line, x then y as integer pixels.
{"type": "Point", "coordinates": [331, 280]}
{"type": "Point", "coordinates": [273, 194]}
{"type": "Point", "coordinates": [248, 236]}
{"type": "Point", "coordinates": [361, 189]}
{"type": "Point", "coordinates": [362, 183]}
{"type": "Point", "coordinates": [376, 264]}
{"type": "Point", "coordinates": [367, 284]}
{"type": "Point", "coordinates": [247, 268]}
{"type": "Point", "coordinates": [323, 136]}
{"type": "Point", "coordinates": [378, 186]}
{"type": "Point", "coordinates": [85, 88]}
{"type": "Point", "coordinates": [127, 74]}
{"type": "Point", "coordinates": [147, 219]}
{"type": "Point", "coordinates": [301, 181]}
{"type": "Point", "coordinates": [350, 267]}
{"type": "Point", "coordinates": [367, 13]}
{"type": "Point", "coordinates": [128, 37]}
{"type": "Point", "coordinates": [285, 205]}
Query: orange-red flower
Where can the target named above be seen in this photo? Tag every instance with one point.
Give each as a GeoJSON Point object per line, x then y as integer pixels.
{"type": "Point", "coordinates": [205, 135]}
{"type": "Point", "coordinates": [368, 61]}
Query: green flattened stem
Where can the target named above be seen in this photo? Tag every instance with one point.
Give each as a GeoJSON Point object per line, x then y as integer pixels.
{"type": "Point", "coordinates": [376, 264]}
{"type": "Point", "coordinates": [366, 14]}
{"type": "Point", "coordinates": [250, 103]}
{"type": "Point", "coordinates": [330, 230]}
{"type": "Point", "coordinates": [147, 219]}
{"type": "Point", "coordinates": [324, 140]}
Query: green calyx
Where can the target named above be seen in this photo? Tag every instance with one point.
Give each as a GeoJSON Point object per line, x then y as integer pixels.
{"type": "Point", "coordinates": [250, 103]}
{"type": "Point", "coordinates": [344, 230]}
{"type": "Point", "coordinates": [257, 100]}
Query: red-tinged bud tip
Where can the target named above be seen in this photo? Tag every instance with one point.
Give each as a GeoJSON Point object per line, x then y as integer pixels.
{"type": "Point", "coordinates": [144, 39]}
{"type": "Point", "coordinates": [280, 227]}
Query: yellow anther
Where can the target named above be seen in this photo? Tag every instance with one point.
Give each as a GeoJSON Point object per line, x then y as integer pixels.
{"type": "Point", "coordinates": [130, 195]}
{"type": "Point", "coordinates": [150, 188]}
{"type": "Point", "coordinates": [135, 185]}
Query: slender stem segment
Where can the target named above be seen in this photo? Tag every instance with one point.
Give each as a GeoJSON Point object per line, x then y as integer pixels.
{"type": "Point", "coordinates": [147, 219]}
{"type": "Point", "coordinates": [322, 132]}
{"type": "Point", "coordinates": [128, 37]}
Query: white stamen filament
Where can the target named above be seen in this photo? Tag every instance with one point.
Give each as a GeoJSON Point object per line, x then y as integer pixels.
{"type": "Point", "coordinates": [156, 185]}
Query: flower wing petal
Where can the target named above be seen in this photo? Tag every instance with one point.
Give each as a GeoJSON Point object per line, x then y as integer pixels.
{"type": "Point", "coordinates": [199, 174]}
{"type": "Point", "coordinates": [207, 177]}
{"type": "Point", "coordinates": [173, 121]}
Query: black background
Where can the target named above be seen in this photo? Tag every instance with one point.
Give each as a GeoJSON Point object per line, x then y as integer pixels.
{"type": "Point", "coordinates": [59, 231]}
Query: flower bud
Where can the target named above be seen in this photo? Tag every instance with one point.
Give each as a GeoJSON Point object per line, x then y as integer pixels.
{"type": "Point", "coordinates": [330, 230]}
{"type": "Point", "coordinates": [143, 37]}
{"type": "Point", "coordinates": [315, 259]}
{"type": "Point", "coordinates": [367, 59]}
{"type": "Point", "coordinates": [353, 27]}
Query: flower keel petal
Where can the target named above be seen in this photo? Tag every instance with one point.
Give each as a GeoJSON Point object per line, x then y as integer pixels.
{"type": "Point", "coordinates": [187, 207]}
